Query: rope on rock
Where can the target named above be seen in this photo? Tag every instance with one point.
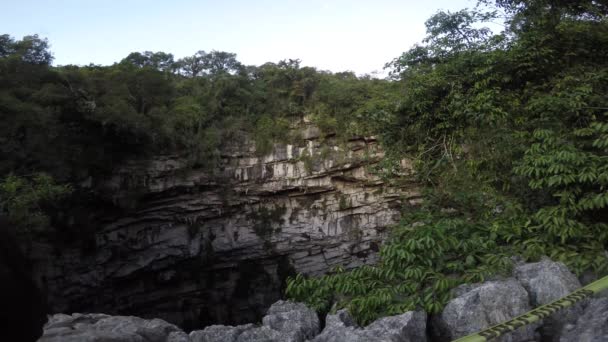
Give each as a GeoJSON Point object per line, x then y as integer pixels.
{"type": "Point", "coordinates": [538, 313]}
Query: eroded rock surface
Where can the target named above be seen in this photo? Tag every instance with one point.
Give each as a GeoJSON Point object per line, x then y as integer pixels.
{"type": "Point", "coordinates": [201, 248]}
{"type": "Point", "coordinates": [479, 306]}
{"type": "Point", "coordinates": [545, 282]}
{"type": "Point", "coordinates": [219, 333]}
{"type": "Point", "coordinates": [407, 327]}
{"type": "Point", "coordinates": [591, 325]}
{"type": "Point", "coordinates": [105, 328]}
{"type": "Point", "coordinates": [473, 308]}
{"type": "Point", "coordinates": [294, 320]}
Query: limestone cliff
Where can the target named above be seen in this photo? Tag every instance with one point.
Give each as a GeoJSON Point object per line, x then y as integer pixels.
{"type": "Point", "coordinates": [205, 247]}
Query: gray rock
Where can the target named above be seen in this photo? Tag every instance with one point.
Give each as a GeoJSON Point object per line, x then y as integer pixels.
{"type": "Point", "coordinates": [479, 306]}
{"type": "Point", "coordinates": [311, 132]}
{"type": "Point", "coordinates": [340, 327]}
{"type": "Point", "coordinates": [294, 320]}
{"type": "Point", "coordinates": [104, 328]}
{"type": "Point", "coordinates": [219, 333]}
{"type": "Point", "coordinates": [339, 319]}
{"type": "Point", "coordinates": [408, 327]}
{"type": "Point", "coordinates": [286, 322]}
{"type": "Point", "coordinates": [263, 334]}
{"type": "Point", "coordinates": [545, 282]}
{"type": "Point", "coordinates": [182, 215]}
{"type": "Point", "coordinates": [591, 326]}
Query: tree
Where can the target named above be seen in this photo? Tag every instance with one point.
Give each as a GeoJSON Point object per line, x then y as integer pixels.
{"type": "Point", "coordinates": [213, 63]}
{"type": "Point", "coordinates": [158, 60]}
{"type": "Point", "coordinates": [194, 65]}
{"type": "Point", "coordinates": [7, 45]}
{"type": "Point", "coordinates": [22, 200]}
{"type": "Point", "coordinates": [32, 49]}
{"type": "Point", "coordinates": [509, 131]}
{"type": "Point", "coordinates": [220, 62]}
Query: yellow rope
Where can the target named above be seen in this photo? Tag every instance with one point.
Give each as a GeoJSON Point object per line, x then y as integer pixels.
{"type": "Point", "coordinates": [538, 313]}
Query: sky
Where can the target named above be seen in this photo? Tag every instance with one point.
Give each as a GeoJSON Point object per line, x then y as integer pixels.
{"type": "Point", "coordinates": [335, 35]}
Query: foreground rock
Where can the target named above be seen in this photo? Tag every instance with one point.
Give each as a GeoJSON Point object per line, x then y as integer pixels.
{"type": "Point", "coordinates": [479, 306]}
{"type": "Point", "coordinates": [591, 326]}
{"type": "Point", "coordinates": [408, 327]}
{"type": "Point", "coordinates": [473, 308]}
{"type": "Point", "coordinates": [285, 321]}
{"type": "Point", "coordinates": [296, 321]}
{"type": "Point", "coordinates": [104, 328]}
{"type": "Point", "coordinates": [546, 281]}
{"type": "Point", "coordinates": [217, 333]}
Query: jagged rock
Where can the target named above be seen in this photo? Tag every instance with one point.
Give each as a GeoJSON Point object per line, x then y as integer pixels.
{"type": "Point", "coordinates": [219, 333]}
{"type": "Point", "coordinates": [311, 132]}
{"type": "Point", "coordinates": [199, 248]}
{"type": "Point", "coordinates": [263, 334]}
{"type": "Point", "coordinates": [241, 333]}
{"type": "Point", "coordinates": [479, 306]}
{"type": "Point", "coordinates": [407, 327]}
{"type": "Point", "coordinates": [339, 327]}
{"type": "Point", "coordinates": [285, 322]}
{"type": "Point", "coordinates": [340, 319]}
{"type": "Point", "coordinates": [591, 326]}
{"type": "Point", "coordinates": [294, 320]}
{"type": "Point", "coordinates": [105, 328]}
{"type": "Point", "coordinates": [545, 282]}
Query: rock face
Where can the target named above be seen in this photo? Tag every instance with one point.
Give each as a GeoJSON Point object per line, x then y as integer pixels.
{"type": "Point", "coordinates": [200, 248]}
{"type": "Point", "coordinates": [219, 333]}
{"type": "Point", "coordinates": [591, 326]}
{"type": "Point", "coordinates": [286, 321]}
{"type": "Point", "coordinates": [294, 320]}
{"type": "Point", "coordinates": [545, 282]}
{"type": "Point", "coordinates": [104, 328]}
{"type": "Point", "coordinates": [408, 327]}
{"type": "Point", "coordinates": [479, 306]}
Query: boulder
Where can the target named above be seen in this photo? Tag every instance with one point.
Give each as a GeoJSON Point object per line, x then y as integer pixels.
{"type": "Point", "coordinates": [219, 333]}
{"type": "Point", "coordinates": [263, 334]}
{"type": "Point", "coordinates": [285, 322]}
{"type": "Point", "coordinates": [479, 306]}
{"type": "Point", "coordinates": [105, 328]}
{"type": "Point", "coordinates": [407, 327]}
{"type": "Point", "coordinates": [545, 282]}
{"type": "Point", "coordinates": [591, 326]}
{"type": "Point", "coordinates": [340, 327]}
{"type": "Point", "coordinates": [295, 320]}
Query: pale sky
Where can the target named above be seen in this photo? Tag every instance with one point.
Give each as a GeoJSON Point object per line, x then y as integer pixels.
{"type": "Point", "coordinates": [336, 35]}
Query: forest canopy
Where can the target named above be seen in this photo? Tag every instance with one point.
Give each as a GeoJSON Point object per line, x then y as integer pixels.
{"type": "Point", "coordinates": [62, 125]}
{"type": "Point", "coordinates": [507, 130]}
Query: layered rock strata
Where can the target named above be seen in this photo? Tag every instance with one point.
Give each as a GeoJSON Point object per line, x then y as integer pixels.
{"type": "Point", "coordinates": [201, 247]}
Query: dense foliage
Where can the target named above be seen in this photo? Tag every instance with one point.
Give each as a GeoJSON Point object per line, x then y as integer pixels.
{"type": "Point", "coordinates": [509, 133]}
{"type": "Point", "coordinates": [507, 130]}
{"type": "Point", "coordinates": [76, 123]}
